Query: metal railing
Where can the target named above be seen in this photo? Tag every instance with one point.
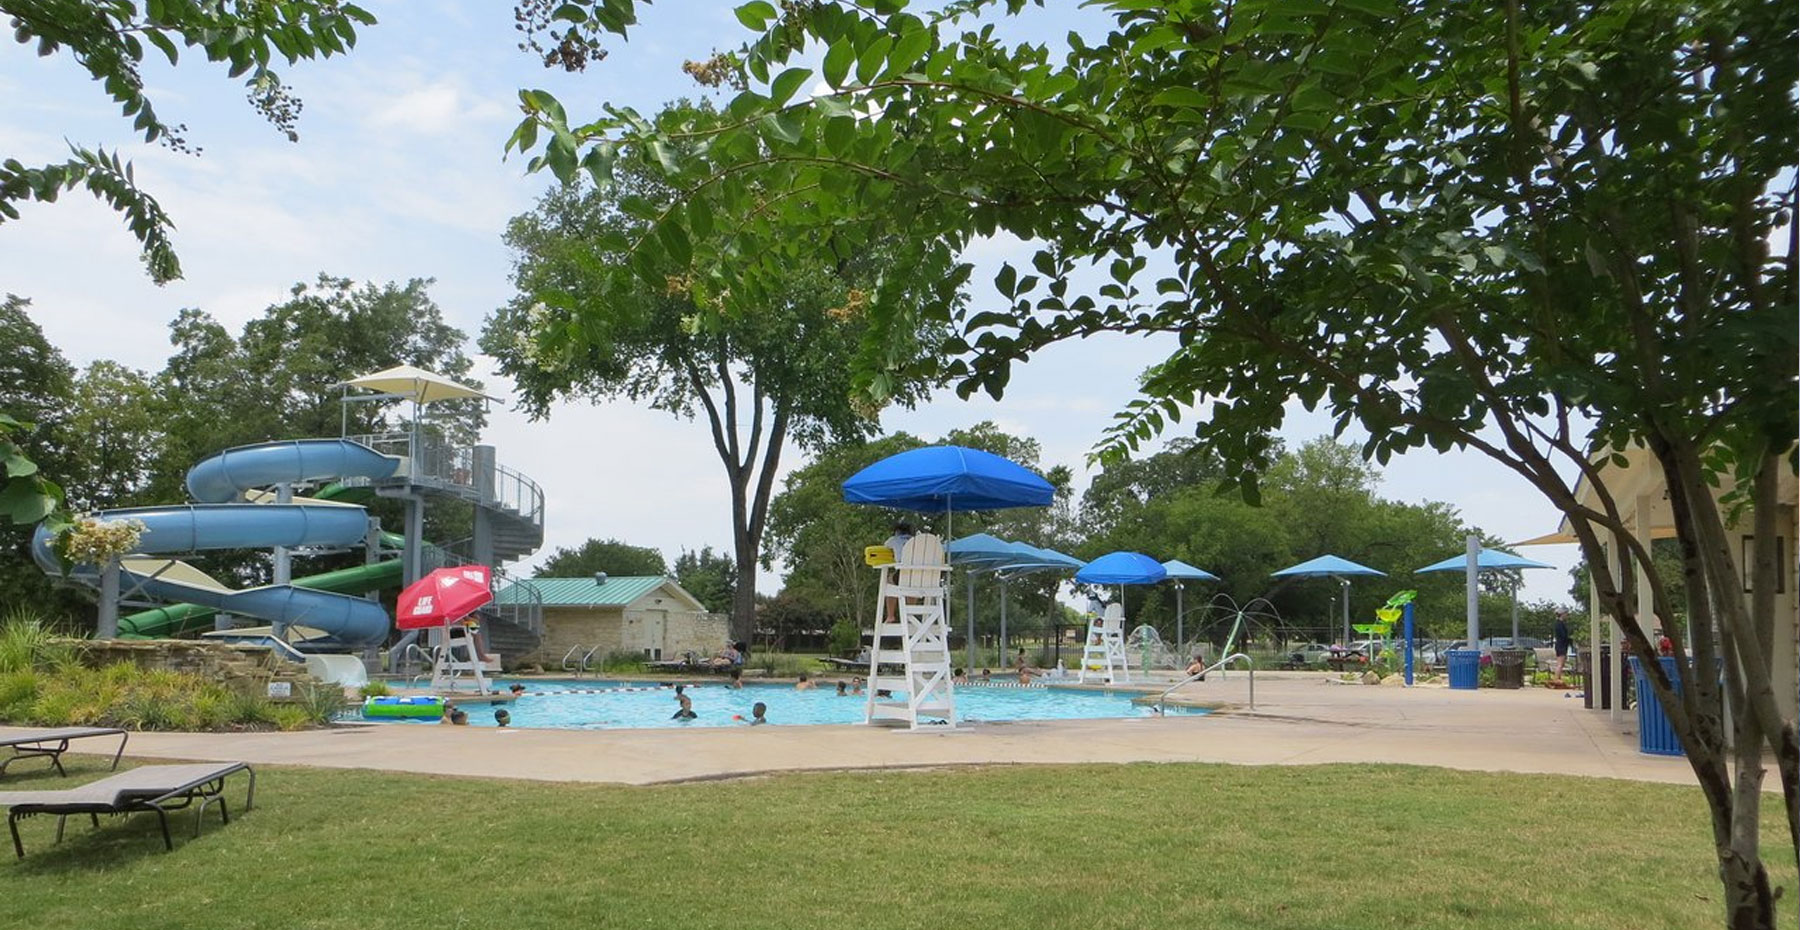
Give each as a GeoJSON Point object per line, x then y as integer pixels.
{"type": "Point", "coordinates": [524, 604]}
{"type": "Point", "coordinates": [568, 663]}
{"type": "Point", "coordinates": [437, 461]}
{"type": "Point", "coordinates": [1161, 699]}
{"type": "Point", "coordinates": [425, 659]}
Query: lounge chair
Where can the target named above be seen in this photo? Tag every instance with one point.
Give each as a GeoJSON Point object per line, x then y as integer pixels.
{"type": "Point", "coordinates": [53, 743]}
{"type": "Point", "coordinates": [159, 788]}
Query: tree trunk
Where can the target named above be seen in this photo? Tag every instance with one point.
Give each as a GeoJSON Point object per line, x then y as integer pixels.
{"type": "Point", "coordinates": [743, 596]}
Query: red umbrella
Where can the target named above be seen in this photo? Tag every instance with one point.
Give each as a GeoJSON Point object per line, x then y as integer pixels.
{"type": "Point", "coordinates": [442, 597]}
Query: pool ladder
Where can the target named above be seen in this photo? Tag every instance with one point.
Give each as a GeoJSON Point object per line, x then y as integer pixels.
{"type": "Point", "coordinates": [427, 662]}
{"type": "Point", "coordinates": [1161, 702]}
{"type": "Point", "coordinates": [579, 667]}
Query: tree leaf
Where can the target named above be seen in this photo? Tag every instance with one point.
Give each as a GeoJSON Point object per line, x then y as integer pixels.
{"type": "Point", "coordinates": [782, 89]}
{"type": "Point", "coordinates": [838, 60]}
{"type": "Point", "coordinates": [756, 14]}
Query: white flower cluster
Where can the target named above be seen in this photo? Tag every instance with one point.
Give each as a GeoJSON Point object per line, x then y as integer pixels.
{"type": "Point", "coordinates": [97, 542]}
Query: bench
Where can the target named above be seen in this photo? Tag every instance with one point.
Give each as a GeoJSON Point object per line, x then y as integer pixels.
{"type": "Point", "coordinates": [53, 743]}
{"type": "Point", "coordinates": [159, 788]}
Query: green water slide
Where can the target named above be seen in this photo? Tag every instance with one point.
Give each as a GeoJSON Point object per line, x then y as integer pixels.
{"type": "Point", "coordinates": [184, 619]}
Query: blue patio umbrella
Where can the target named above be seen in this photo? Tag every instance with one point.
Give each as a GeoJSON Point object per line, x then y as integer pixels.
{"type": "Point", "coordinates": [1490, 560]}
{"type": "Point", "coordinates": [946, 479]}
{"type": "Point", "coordinates": [942, 479]}
{"type": "Point", "coordinates": [1485, 560]}
{"type": "Point", "coordinates": [1331, 566]}
{"type": "Point", "coordinates": [1122, 568]}
{"type": "Point", "coordinates": [1029, 559]}
{"type": "Point", "coordinates": [983, 549]}
{"type": "Point", "coordinates": [1181, 571]}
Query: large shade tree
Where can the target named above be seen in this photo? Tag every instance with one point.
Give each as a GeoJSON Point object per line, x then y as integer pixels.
{"type": "Point", "coordinates": [1545, 232]}
{"type": "Point", "coordinates": [762, 368]}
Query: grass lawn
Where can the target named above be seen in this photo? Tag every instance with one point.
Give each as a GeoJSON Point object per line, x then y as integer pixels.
{"type": "Point", "coordinates": [1203, 846]}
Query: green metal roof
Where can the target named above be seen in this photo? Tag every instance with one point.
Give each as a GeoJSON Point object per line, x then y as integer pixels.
{"type": "Point", "coordinates": [583, 592]}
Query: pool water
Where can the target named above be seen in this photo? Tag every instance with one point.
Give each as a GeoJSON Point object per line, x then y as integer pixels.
{"type": "Point", "coordinates": [590, 705]}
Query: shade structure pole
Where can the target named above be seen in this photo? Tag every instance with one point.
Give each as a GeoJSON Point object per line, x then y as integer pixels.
{"type": "Point", "coordinates": [969, 624]}
{"type": "Point", "coordinates": [1407, 612]}
{"type": "Point", "coordinates": [1179, 640]}
{"type": "Point", "coordinates": [1473, 597]}
{"type": "Point", "coordinates": [1515, 611]}
{"type": "Point", "coordinates": [1002, 617]}
{"type": "Point", "coordinates": [1345, 584]}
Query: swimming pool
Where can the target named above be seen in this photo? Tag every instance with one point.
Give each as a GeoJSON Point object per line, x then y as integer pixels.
{"type": "Point", "coordinates": [591, 705]}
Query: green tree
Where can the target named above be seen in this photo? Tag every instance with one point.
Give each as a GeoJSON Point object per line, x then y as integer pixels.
{"type": "Point", "coordinates": [279, 378]}
{"type": "Point", "coordinates": [1316, 499]}
{"type": "Point", "coordinates": [1541, 232]}
{"type": "Point", "coordinates": [787, 614]}
{"type": "Point", "coordinates": [612, 556]}
{"type": "Point", "coordinates": [110, 38]}
{"type": "Point", "coordinates": [762, 367]}
{"type": "Point", "coordinates": [36, 385]}
{"type": "Point", "coordinates": [709, 577]}
{"type": "Point", "coordinates": [820, 537]}
{"type": "Point", "coordinates": [114, 415]}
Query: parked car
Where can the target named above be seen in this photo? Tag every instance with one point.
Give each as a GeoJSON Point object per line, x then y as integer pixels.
{"type": "Point", "coordinates": [1310, 653]}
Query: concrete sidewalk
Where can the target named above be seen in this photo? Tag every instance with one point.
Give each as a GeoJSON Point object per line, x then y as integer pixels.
{"type": "Point", "coordinates": [1299, 720]}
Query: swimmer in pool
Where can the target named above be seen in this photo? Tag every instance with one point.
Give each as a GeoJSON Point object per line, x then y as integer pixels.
{"type": "Point", "coordinates": [687, 708]}
{"type": "Point", "coordinates": [502, 718]}
{"type": "Point", "coordinates": [757, 711]}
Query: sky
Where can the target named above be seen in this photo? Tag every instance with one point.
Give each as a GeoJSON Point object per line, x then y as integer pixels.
{"type": "Point", "coordinates": [399, 174]}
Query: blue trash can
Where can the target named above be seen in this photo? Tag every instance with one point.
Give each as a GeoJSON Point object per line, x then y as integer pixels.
{"type": "Point", "coordinates": [1655, 734]}
{"type": "Point", "coordinates": [1465, 668]}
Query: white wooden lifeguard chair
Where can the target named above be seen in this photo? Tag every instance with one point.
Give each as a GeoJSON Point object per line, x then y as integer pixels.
{"type": "Point", "coordinates": [1103, 656]}
{"type": "Point", "coordinates": [917, 640]}
{"type": "Point", "coordinates": [457, 655]}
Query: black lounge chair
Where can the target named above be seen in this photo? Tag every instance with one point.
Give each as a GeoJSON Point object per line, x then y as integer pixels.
{"type": "Point", "coordinates": [53, 743]}
{"type": "Point", "coordinates": [159, 788]}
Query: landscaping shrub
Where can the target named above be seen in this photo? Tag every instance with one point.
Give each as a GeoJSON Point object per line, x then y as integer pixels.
{"type": "Point", "coordinates": [322, 702]}
{"type": "Point", "coordinates": [27, 642]}
{"type": "Point", "coordinates": [43, 683]}
{"type": "Point", "coordinates": [375, 689]}
{"type": "Point", "coordinates": [622, 661]}
{"type": "Point", "coordinates": [845, 637]}
{"type": "Point", "coordinates": [780, 664]}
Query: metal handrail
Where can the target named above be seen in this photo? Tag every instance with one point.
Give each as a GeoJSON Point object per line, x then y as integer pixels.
{"type": "Point", "coordinates": [1161, 703]}
{"type": "Point", "coordinates": [566, 666]}
{"type": "Point", "coordinates": [428, 664]}
{"type": "Point", "coordinates": [586, 659]}
{"type": "Point", "coordinates": [436, 460]}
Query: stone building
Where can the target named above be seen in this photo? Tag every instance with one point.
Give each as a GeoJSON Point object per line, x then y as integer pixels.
{"type": "Point", "coordinates": [648, 615]}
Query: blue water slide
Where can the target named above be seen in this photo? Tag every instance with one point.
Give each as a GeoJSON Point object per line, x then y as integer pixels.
{"type": "Point", "coordinates": [183, 528]}
{"type": "Point", "coordinates": [234, 471]}
{"type": "Point", "coordinates": [186, 528]}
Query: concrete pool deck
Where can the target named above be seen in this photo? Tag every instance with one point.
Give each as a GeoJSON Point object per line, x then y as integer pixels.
{"type": "Point", "coordinates": [1300, 719]}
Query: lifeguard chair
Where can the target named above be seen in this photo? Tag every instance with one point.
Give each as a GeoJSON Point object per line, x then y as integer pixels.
{"type": "Point", "coordinates": [911, 652]}
{"type": "Point", "coordinates": [459, 654]}
{"type": "Point", "coordinates": [1103, 655]}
